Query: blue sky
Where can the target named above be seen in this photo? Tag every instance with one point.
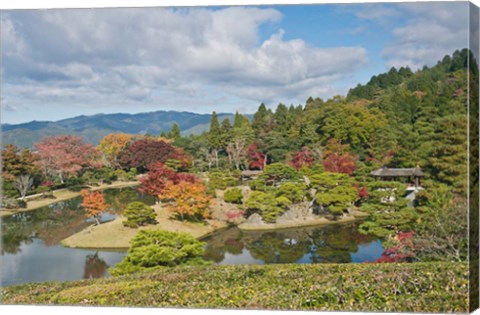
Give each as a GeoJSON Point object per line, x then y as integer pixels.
{"type": "Point", "coordinates": [64, 63]}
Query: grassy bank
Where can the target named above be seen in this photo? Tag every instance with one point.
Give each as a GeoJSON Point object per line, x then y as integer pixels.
{"type": "Point", "coordinates": [421, 287]}
{"type": "Point", "coordinates": [62, 194]}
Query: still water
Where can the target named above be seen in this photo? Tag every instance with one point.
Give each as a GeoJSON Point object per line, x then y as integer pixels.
{"type": "Point", "coordinates": [31, 249]}
{"type": "Point", "coordinates": [339, 243]}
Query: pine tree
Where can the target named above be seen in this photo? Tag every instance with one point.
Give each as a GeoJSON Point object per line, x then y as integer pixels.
{"type": "Point", "coordinates": [215, 137]}
{"type": "Point", "coordinates": [174, 132]}
{"type": "Point", "coordinates": [449, 156]}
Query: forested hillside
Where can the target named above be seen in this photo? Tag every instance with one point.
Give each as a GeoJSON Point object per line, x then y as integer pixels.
{"type": "Point", "coordinates": [398, 119]}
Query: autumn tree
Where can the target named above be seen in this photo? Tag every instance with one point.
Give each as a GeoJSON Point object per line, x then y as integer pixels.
{"type": "Point", "coordinates": [256, 159]}
{"type": "Point", "coordinates": [301, 158]}
{"type": "Point", "coordinates": [188, 201]}
{"type": "Point", "coordinates": [16, 163]}
{"type": "Point", "coordinates": [338, 158]}
{"type": "Point", "coordinates": [158, 175]}
{"type": "Point", "coordinates": [65, 155]}
{"type": "Point", "coordinates": [94, 204]}
{"type": "Point", "coordinates": [144, 152]}
{"type": "Point", "coordinates": [112, 144]}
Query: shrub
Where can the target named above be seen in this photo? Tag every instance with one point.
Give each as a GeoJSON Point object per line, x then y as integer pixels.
{"type": "Point", "coordinates": [222, 180]}
{"type": "Point", "coordinates": [76, 188]}
{"type": "Point", "coordinates": [12, 203]}
{"type": "Point", "coordinates": [138, 214]}
{"type": "Point", "coordinates": [277, 172]}
{"type": "Point", "coordinates": [159, 249]}
{"type": "Point", "coordinates": [266, 205]}
{"type": "Point", "coordinates": [233, 195]}
{"type": "Point", "coordinates": [45, 191]}
{"type": "Point", "coordinates": [295, 192]}
{"type": "Point", "coordinates": [258, 185]}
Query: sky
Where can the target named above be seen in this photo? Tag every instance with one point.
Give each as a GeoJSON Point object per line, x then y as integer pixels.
{"type": "Point", "coordinates": [61, 63]}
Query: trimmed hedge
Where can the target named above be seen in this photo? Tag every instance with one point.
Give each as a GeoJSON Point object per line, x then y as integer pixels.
{"type": "Point", "coordinates": [418, 287]}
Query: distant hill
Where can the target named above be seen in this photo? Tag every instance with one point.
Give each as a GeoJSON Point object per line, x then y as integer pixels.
{"type": "Point", "coordinates": [93, 128]}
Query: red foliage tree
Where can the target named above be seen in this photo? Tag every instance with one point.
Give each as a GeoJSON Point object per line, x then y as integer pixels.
{"type": "Point", "coordinates": [404, 251]}
{"type": "Point", "coordinates": [301, 158]}
{"type": "Point", "coordinates": [94, 204]}
{"type": "Point", "coordinates": [340, 163]}
{"type": "Point", "coordinates": [144, 152]}
{"type": "Point", "coordinates": [256, 159]}
{"type": "Point", "coordinates": [65, 155]}
{"type": "Point", "coordinates": [361, 191]}
{"type": "Point", "coordinates": [154, 182]}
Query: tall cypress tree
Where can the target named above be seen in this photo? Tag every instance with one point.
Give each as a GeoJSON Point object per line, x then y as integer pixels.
{"type": "Point", "coordinates": [174, 132]}
{"type": "Point", "coordinates": [215, 136]}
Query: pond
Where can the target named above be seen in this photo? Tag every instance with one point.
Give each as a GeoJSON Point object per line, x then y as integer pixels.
{"type": "Point", "coordinates": [31, 249]}
{"type": "Point", "coordinates": [338, 243]}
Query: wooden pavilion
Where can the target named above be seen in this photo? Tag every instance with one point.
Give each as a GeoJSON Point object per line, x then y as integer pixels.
{"type": "Point", "coordinates": [405, 175]}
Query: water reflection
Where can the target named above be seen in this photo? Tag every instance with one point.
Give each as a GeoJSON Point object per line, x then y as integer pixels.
{"type": "Point", "coordinates": [327, 244]}
{"type": "Point", "coordinates": [59, 220]}
{"type": "Point", "coordinates": [30, 241]}
{"type": "Point", "coordinates": [95, 267]}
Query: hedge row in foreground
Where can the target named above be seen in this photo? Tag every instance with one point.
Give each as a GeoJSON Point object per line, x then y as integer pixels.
{"type": "Point", "coordinates": [420, 287]}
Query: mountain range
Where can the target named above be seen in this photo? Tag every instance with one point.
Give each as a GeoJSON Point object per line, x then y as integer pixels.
{"type": "Point", "coordinates": [93, 128]}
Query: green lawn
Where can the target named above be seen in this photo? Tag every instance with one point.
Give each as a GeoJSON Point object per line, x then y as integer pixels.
{"type": "Point", "coordinates": [420, 287]}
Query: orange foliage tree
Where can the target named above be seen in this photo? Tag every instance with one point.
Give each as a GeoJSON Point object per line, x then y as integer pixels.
{"type": "Point", "coordinates": [112, 144]}
{"type": "Point", "coordinates": [94, 204]}
{"type": "Point", "coordinates": [187, 200]}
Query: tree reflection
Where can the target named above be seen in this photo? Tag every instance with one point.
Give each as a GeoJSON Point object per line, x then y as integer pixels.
{"type": "Point", "coordinates": [95, 267]}
{"type": "Point", "coordinates": [57, 221]}
{"type": "Point", "coordinates": [16, 231]}
{"type": "Point", "coordinates": [326, 244]}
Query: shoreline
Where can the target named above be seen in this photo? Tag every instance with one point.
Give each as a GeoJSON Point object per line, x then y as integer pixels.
{"type": "Point", "coordinates": [316, 222]}
{"type": "Point", "coordinates": [114, 236]}
{"type": "Point", "coordinates": [62, 195]}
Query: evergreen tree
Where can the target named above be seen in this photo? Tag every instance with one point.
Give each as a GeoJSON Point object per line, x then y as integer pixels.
{"type": "Point", "coordinates": [174, 132]}
{"type": "Point", "coordinates": [215, 137]}
{"type": "Point", "coordinates": [449, 155]}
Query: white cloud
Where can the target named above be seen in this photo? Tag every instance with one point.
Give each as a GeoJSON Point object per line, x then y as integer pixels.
{"type": "Point", "coordinates": [431, 31]}
{"type": "Point", "coordinates": [125, 56]}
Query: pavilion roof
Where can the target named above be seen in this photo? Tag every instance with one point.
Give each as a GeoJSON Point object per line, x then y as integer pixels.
{"type": "Point", "coordinates": [398, 172]}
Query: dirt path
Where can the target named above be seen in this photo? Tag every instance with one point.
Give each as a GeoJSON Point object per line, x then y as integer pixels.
{"type": "Point", "coordinates": [62, 194]}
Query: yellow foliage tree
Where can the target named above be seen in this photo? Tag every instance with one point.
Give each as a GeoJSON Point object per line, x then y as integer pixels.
{"type": "Point", "coordinates": [112, 144]}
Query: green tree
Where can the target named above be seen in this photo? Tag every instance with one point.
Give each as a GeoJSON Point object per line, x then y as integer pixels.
{"type": "Point", "coordinates": [138, 214]}
{"type": "Point", "coordinates": [175, 132]}
{"type": "Point", "coordinates": [215, 137]}
{"type": "Point", "coordinates": [449, 155]}
{"type": "Point", "coordinates": [266, 205]}
{"type": "Point", "coordinates": [159, 249]}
